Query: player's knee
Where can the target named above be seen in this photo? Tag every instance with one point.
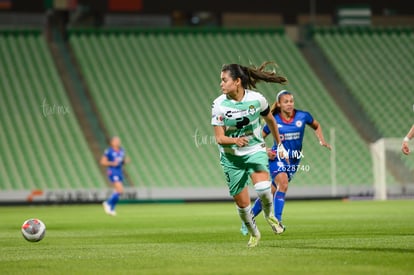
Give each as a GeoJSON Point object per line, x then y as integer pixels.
{"type": "Point", "coordinates": [283, 185]}
{"type": "Point", "coordinates": [119, 188]}
{"type": "Point", "coordinates": [242, 199]}
{"type": "Point", "coordinates": [283, 188]}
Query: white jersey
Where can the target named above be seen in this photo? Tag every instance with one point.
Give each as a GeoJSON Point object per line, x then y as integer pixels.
{"type": "Point", "coordinates": [241, 119]}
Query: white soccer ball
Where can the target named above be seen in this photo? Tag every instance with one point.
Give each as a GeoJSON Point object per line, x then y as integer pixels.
{"type": "Point", "coordinates": [33, 230]}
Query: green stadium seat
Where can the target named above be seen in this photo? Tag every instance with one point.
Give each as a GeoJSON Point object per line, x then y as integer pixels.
{"type": "Point", "coordinates": [40, 150]}
{"type": "Point", "coordinates": [154, 89]}
{"type": "Point", "coordinates": [376, 65]}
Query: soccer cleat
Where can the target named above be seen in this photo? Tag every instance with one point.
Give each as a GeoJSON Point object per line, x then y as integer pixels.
{"type": "Point", "coordinates": [107, 209]}
{"type": "Point", "coordinates": [284, 227]}
{"type": "Point", "coordinates": [277, 226]}
{"type": "Point", "coordinates": [244, 230]}
{"type": "Point", "coordinates": [254, 240]}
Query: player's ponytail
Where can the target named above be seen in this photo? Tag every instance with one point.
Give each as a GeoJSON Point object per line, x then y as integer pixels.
{"type": "Point", "coordinates": [275, 109]}
{"type": "Point", "coordinates": [249, 76]}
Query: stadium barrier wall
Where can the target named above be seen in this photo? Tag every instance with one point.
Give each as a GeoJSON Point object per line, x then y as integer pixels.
{"type": "Point", "coordinates": [137, 195]}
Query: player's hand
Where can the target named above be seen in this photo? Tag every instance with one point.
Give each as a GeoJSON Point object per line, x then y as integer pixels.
{"type": "Point", "coordinates": [282, 153]}
{"type": "Point", "coordinates": [271, 154]}
{"type": "Point", "coordinates": [404, 148]}
{"type": "Point", "coordinates": [242, 141]}
{"type": "Point", "coordinates": [324, 144]}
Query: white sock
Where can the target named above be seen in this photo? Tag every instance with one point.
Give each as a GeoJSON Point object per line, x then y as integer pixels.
{"type": "Point", "coordinates": [265, 194]}
{"type": "Point", "coordinates": [248, 219]}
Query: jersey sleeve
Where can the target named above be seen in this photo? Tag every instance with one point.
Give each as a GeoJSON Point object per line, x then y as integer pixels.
{"type": "Point", "coordinates": [264, 105]}
{"type": "Point", "coordinates": [308, 118]}
{"type": "Point", "coordinates": [266, 129]}
{"type": "Point", "coordinates": [217, 118]}
{"type": "Point", "coordinates": [107, 154]}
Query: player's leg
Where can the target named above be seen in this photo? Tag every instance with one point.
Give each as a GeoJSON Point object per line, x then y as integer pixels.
{"type": "Point", "coordinates": [257, 206]}
{"type": "Point", "coordinates": [114, 198]}
{"type": "Point", "coordinates": [237, 181]}
{"type": "Point", "coordinates": [243, 206]}
{"type": "Point", "coordinates": [256, 209]}
{"type": "Point", "coordinates": [262, 186]}
{"type": "Point", "coordinates": [110, 203]}
{"type": "Point", "coordinates": [258, 167]}
{"type": "Point", "coordinates": [256, 164]}
{"type": "Point", "coordinates": [282, 181]}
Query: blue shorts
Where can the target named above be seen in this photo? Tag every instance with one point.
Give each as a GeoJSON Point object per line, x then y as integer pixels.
{"type": "Point", "coordinates": [281, 166]}
{"type": "Point", "coordinates": [113, 177]}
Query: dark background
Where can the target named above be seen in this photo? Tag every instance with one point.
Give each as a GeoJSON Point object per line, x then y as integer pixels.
{"type": "Point", "coordinates": [288, 8]}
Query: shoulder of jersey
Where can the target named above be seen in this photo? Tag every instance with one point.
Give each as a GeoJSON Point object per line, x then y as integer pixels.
{"type": "Point", "coordinates": [301, 112]}
{"type": "Point", "coordinates": [253, 93]}
{"type": "Point", "coordinates": [220, 99]}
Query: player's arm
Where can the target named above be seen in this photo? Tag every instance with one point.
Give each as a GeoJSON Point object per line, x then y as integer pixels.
{"type": "Point", "coordinates": [404, 147]}
{"type": "Point", "coordinates": [105, 162]}
{"type": "Point", "coordinates": [126, 160]}
{"type": "Point", "coordinates": [271, 123]}
{"type": "Point", "coordinates": [270, 120]}
{"type": "Point", "coordinates": [222, 139]}
{"type": "Point", "coordinates": [270, 153]}
{"type": "Point", "coordinates": [315, 125]}
{"type": "Point", "coordinates": [220, 129]}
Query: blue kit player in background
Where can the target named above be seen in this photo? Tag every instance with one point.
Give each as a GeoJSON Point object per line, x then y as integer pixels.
{"type": "Point", "coordinates": [291, 126]}
{"type": "Point", "coordinates": [114, 158]}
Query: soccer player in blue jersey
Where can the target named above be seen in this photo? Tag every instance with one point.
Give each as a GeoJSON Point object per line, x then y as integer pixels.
{"type": "Point", "coordinates": [114, 158]}
{"type": "Point", "coordinates": [236, 120]}
{"type": "Point", "coordinates": [291, 124]}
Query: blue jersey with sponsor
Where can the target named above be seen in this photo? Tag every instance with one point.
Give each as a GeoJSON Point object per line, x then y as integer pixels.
{"type": "Point", "coordinates": [115, 155]}
{"type": "Point", "coordinates": [292, 132]}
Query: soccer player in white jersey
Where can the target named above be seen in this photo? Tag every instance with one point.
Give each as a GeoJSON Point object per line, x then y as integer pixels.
{"type": "Point", "coordinates": [404, 147]}
{"type": "Point", "coordinates": [237, 128]}
{"type": "Point", "coordinates": [291, 123]}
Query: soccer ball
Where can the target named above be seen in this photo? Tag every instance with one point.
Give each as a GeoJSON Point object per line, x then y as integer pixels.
{"type": "Point", "coordinates": [33, 230]}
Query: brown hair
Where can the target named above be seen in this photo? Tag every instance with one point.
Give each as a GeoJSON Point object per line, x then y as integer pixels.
{"type": "Point", "coordinates": [249, 76]}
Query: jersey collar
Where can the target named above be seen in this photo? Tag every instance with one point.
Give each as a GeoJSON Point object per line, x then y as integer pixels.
{"type": "Point", "coordinates": [290, 120]}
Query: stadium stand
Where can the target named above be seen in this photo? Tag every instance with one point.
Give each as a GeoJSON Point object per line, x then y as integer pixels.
{"type": "Point", "coordinates": [155, 88]}
{"type": "Point", "coordinates": [42, 144]}
{"type": "Point", "coordinates": [373, 62]}
{"type": "Point", "coordinates": [375, 65]}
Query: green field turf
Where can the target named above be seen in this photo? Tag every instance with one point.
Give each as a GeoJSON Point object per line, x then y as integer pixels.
{"type": "Point", "coordinates": [322, 237]}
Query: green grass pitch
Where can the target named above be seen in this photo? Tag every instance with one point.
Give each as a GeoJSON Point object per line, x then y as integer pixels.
{"type": "Point", "coordinates": [322, 237]}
